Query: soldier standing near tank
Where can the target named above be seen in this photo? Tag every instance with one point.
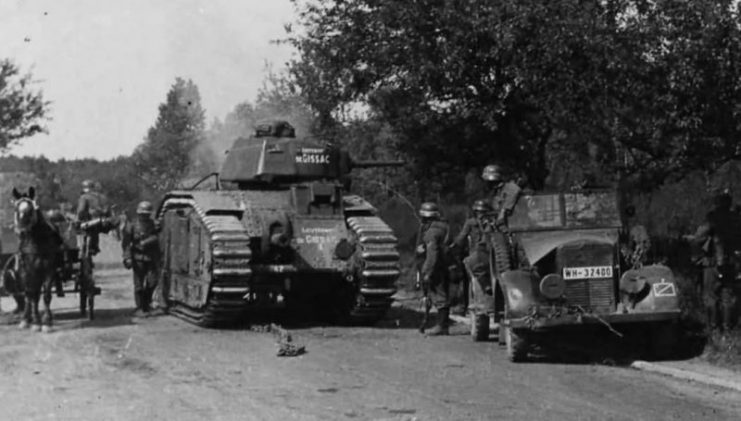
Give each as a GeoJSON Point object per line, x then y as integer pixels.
{"type": "Point", "coordinates": [474, 237]}
{"type": "Point", "coordinates": [141, 254]}
{"type": "Point", "coordinates": [504, 194]}
{"type": "Point", "coordinates": [431, 251]}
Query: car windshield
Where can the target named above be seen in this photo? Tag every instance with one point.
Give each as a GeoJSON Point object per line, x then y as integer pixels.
{"type": "Point", "coordinates": [566, 211]}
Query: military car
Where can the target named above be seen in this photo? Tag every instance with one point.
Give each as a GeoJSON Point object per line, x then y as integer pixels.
{"type": "Point", "coordinates": [565, 248]}
{"type": "Point", "coordinates": [277, 229]}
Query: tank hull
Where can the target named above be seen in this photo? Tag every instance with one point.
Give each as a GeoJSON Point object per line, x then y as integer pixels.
{"type": "Point", "coordinates": [223, 259]}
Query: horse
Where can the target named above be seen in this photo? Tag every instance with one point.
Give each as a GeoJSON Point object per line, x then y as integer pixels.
{"type": "Point", "coordinates": [39, 243]}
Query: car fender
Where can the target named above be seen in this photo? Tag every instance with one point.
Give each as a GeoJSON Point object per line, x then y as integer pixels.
{"type": "Point", "coordinates": [662, 294]}
{"type": "Point", "coordinates": [517, 286]}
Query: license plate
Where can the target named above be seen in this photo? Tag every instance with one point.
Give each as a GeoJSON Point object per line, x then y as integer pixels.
{"type": "Point", "coordinates": [587, 272]}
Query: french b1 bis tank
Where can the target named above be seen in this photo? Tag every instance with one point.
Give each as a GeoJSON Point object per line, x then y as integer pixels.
{"type": "Point", "coordinates": [277, 229]}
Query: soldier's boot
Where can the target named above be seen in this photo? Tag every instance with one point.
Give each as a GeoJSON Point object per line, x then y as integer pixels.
{"type": "Point", "coordinates": [138, 298]}
{"type": "Point", "coordinates": [147, 300]}
{"type": "Point", "coordinates": [58, 287]}
{"type": "Point", "coordinates": [441, 328]}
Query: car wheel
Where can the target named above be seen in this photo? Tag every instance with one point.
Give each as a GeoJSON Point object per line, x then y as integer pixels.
{"type": "Point", "coordinates": [516, 345]}
{"type": "Point", "coordinates": [479, 327]}
{"type": "Point", "coordinates": [664, 339]}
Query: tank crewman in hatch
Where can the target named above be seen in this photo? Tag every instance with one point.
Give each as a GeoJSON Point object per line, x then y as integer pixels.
{"type": "Point", "coordinates": [474, 237]}
{"type": "Point", "coordinates": [141, 254]}
{"type": "Point", "coordinates": [90, 206]}
{"type": "Point", "coordinates": [504, 194]}
{"type": "Point", "coordinates": [431, 250]}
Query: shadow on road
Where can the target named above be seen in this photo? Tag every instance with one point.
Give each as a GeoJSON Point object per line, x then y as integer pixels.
{"type": "Point", "coordinates": [104, 317]}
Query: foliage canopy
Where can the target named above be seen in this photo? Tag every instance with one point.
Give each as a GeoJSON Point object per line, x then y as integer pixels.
{"type": "Point", "coordinates": [22, 109]}
{"type": "Point", "coordinates": [562, 90]}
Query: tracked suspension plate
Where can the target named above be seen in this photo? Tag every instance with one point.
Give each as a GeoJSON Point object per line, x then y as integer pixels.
{"type": "Point", "coordinates": [378, 261]}
{"type": "Point", "coordinates": [230, 266]}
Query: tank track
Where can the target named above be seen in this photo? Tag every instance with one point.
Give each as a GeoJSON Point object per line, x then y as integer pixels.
{"type": "Point", "coordinates": [230, 265]}
{"type": "Point", "coordinates": [378, 262]}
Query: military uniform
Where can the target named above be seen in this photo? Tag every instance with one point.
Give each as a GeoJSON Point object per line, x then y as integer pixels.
{"type": "Point", "coordinates": [141, 254]}
{"type": "Point", "coordinates": [720, 285]}
{"type": "Point", "coordinates": [713, 247]}
{"type": "Point", "coordinates": [475, 238]}
{"type": "Point", "coordinates": [91, 205]}
{"type": "Point", "coordinates": [503, 200]}
{"type": "Point", "coordinates": [434, 270]}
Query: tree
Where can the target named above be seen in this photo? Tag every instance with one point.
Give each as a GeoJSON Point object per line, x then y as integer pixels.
{"type": "Point", "coordinates": [165, 157]}
{"type": "Point", "coordinates": [617, 87]}
{"type": "Point", "coordinates": [22, 110]}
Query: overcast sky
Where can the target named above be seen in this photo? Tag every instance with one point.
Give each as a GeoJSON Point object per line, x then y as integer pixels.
{"type": "Point", "coordinates": [106, 65]}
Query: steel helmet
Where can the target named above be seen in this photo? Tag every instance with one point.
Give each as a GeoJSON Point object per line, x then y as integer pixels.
{"type": "Point", "coordinates": [87, 185]}
{"type": "Point", "coordinates": [144, 208]}
{"type": "Point", "coordinates": [492, 173]}
{"type": "Point", "coordinates": [429, 210]}
{"type": "Point", "coordinates": [481, 206]}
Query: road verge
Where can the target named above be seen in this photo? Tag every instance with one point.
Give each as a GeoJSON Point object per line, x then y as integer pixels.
{"type": "Point", "coordinates": [692, 371]}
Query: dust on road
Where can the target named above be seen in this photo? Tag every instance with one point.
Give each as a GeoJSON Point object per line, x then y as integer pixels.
{"type": "Point", "coordinates": [119, 368]}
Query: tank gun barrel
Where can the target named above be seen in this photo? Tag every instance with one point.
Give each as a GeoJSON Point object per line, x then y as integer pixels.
{"type": "Point", "coordinates": [377, 164]}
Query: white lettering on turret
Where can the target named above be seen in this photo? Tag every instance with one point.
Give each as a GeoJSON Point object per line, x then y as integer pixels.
{"type": "Point", "coordinates": [312, 158]}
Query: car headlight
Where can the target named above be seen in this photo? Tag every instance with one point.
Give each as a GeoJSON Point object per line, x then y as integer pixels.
{"type": "Point", "coordinates": [552, 286]}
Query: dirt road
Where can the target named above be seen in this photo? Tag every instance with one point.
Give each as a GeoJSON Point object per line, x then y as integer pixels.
{"type": "Point", "coordinates": [116, 368]}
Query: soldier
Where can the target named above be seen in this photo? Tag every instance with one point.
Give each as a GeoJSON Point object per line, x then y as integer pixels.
{"type": "Point", "coordinates": [141, 253]}
{"type": "Point", "coordinates": [475, 238]}
{"type": "Point", "coordinates": [89, 206]}
{"type": "Point", "coordinates": [636, 241]}
{"type": "Point", "coordinates": [504, 194]}
{"type": "Point", "coordinates": [431, 249]}
{"type": "Point", "coordinates": [719, 284]}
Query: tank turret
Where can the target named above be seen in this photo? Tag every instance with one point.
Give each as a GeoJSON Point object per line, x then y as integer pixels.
{"type": "Point", "coordinates": [275, 155]}
{"type": "Point", "coordinates": [279, 228]}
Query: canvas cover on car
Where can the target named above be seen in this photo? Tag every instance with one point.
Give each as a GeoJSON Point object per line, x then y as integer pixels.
{"type": "Point", "coordinates": [543, 222]}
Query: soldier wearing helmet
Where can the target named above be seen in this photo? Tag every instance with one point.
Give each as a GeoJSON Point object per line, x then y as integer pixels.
{"type": "Point", "coordinates": [504, 194]}
{"type": "Point", "coordinates": [474, 239]}
{"type": "Point", "coordinates": [91, 205]}
{"type": "Point", "coordinates": [717, 244]}
{"type": "Point", "coordinates": [431, 251]}
{"type": "Point", "coordinates": [141, 254]}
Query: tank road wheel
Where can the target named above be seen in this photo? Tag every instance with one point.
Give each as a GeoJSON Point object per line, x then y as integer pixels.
{"type": "Point", "coordinates": [479, 327]}
{"type": "Point", "coordinates": [516, 345]}
{"type": "Point", "coordinates": [377, 262]}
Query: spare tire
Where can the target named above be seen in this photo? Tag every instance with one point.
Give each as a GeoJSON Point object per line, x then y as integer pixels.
{"type": "Point", "coordinates": [502, 255]}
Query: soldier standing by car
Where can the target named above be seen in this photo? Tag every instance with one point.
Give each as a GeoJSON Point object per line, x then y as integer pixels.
{"type": "Point", "coordinates": [504, 194]}
{"type": "Point", "coordinates": [474, 237]}
{"type": "Point", "coordinates": [431, 250]}
{"type": "Point", "coordinates": [141, 254]}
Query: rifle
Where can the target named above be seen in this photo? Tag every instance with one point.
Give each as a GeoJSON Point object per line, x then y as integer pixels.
{"type": "Point", "coordinates": [426, 303]}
